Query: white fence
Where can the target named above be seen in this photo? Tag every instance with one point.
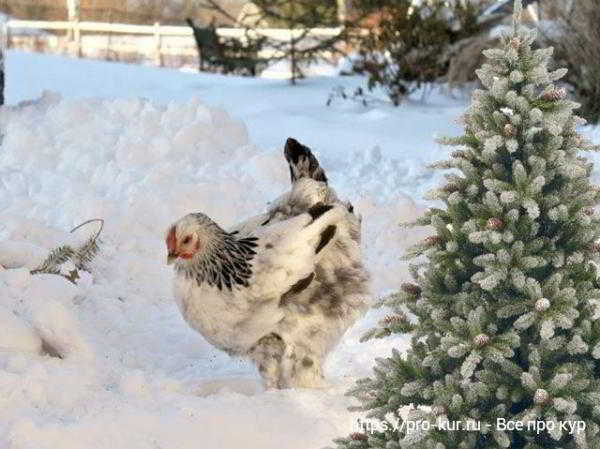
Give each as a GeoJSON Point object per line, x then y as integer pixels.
{"type": "Point", "coordinates": [113, 41]}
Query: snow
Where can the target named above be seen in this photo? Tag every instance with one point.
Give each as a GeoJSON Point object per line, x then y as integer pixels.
{"type": "Point", "coordinates": [270, 109]}
{"type": "Point", "coordinates": [109, 362]}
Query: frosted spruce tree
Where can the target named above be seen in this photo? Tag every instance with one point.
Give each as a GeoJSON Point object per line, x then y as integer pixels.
{"type": "Point", "coordinates": [505, 296]}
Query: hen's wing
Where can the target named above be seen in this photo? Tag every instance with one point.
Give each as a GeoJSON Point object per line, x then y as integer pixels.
{"type": "Point", "coordinates": [247, 227]}
{"type": "Point", "coordinates": [291, 249]}
{"type": "Point", "coordinates": [301, 227]}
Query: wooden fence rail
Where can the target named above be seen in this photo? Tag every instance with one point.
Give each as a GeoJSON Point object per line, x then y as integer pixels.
{"type": "Point", "coordinates": [155, 41]}
{"type": "Point", "coordinates": [165, 30]}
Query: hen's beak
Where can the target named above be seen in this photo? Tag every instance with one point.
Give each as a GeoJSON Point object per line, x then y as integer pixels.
{"type": "Point", "coordinates": [171, 258]}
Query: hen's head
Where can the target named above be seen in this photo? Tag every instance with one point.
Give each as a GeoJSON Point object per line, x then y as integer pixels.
{"type": "Point", "coordinates": [191, 237]}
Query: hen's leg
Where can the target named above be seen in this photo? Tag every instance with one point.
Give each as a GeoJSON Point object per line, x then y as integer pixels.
{"type": "Point", "coordinates": [301, 368]}
{"type": "Point", "coordinates": [267, 353]}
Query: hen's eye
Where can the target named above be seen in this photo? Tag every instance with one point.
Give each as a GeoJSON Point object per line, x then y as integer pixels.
{"type": "Point", "coordinates": [187, 240]}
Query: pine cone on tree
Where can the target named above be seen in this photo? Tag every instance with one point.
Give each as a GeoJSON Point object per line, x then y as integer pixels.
{"type": "Point", "coordinates": [555, 95]}
{"type": "Point", "coordinates": [357, 436]}
{"type": "Point", "coordinates": [494, 224]}
{"type": "Point", "coordinates": [540, 396]}
{"type": "Point", "coordinates": [481, 340]}
{"type": "Point", "coordinates": [438, 410]}
{"type": "Point", "coordinates": [411, 289]}
{"type": "Point", "coordinates": [432, 241]}
{"type": "Point", "coordinates": [510, 130]}
{"type": "Point", "coordinates": [460, 154]}
{"type": "Point", "coordinates": [449, 188]}
{"type": "Point", "coordinates": [542, 304]}
{"type": "Point", "coordinates": [394, 319]}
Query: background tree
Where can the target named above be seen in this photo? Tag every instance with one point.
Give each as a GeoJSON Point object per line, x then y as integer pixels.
{"type": "Point", "coordinates": [576, 38]}
{"type": "Point", "coordinates": [226, 55]}
{"type": "Point", "coordinates": [506, 299]}
{"type": "Point", "coordinates": [301, 17]}
{"type": "Point", "coordinates": [412, 44]}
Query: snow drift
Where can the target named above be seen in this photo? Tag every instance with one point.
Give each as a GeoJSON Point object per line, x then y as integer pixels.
{"type": "Point", "coordinates": [108, 362]}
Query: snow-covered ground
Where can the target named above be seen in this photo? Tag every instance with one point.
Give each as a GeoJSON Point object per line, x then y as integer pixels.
{"type": "Point", "coordinates": [140, 147]}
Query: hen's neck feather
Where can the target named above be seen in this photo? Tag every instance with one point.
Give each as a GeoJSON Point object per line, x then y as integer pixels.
{"type": "Point", "coordinates": [225, 263]}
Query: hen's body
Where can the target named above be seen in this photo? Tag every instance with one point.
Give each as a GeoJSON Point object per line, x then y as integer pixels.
{"type": "Point", "coordinates": [302, 283]}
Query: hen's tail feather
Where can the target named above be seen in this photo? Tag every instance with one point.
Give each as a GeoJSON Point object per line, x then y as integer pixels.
{"type": "Point", "coordinates": [303, 164]}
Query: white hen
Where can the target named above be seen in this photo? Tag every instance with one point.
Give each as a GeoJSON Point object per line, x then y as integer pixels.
{"type": "Point", "coordinates": [281, 288]}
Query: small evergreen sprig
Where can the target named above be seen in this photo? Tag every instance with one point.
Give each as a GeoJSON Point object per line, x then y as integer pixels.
{"type": "Point", "coordinates": [85, 253]}
{"type": "Point", "coordinates": [80, 256]}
